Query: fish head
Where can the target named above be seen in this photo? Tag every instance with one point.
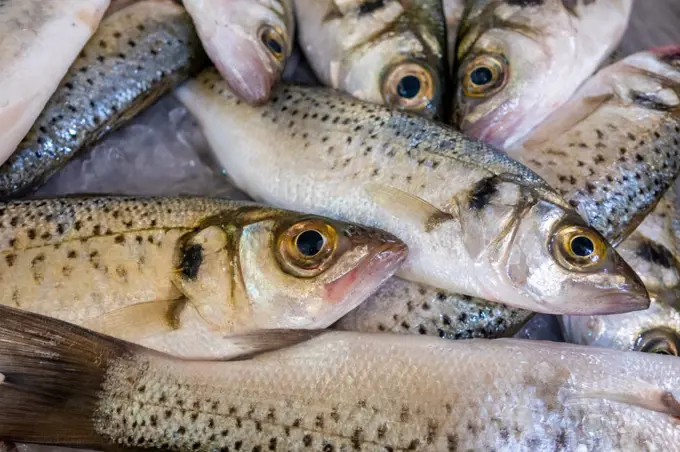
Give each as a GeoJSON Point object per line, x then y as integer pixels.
{"type": "Point", "coordinates": [308, 271]}
{"type": "Point", "coordinates": [248, 42]}
{"type": "Point", "coordinates": [567, 267]}
{"type": "Point", "coordinates": [391, 53]}
{"type": "Point", "coordinates": [398, 71]}
{"type": "Point", "coordinates": [655, 330]}
{"type": "Point", "coordinates": [503, 83]}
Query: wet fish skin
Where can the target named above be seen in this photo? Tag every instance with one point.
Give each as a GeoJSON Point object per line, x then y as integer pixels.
{"type": "Point", "coordinates": [386, 51]}
{"type": "Point", "coordinates": [401, 306]}
{"type": "Point", "coordinates": [176, 274]}
{"type": "Point", "coordinates": [38, 42]}
{"type": "Point", "coordinates": [136, 55]}
{"type": "Point", "coordinates": [320, 390]}
{"type": "Point", "coordinates": [248, 41]}
{"type": "Point", "coordinates": [614, 149]}
{"type": "Point", "coordinates": [518, 61]}
{"type": "Point", "coordinates": [452, 200]}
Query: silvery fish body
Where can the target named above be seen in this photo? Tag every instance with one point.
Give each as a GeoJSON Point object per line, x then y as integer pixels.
{"type": "Point", "coordinates": [334, 391]}
{"type": "Point", "coordinates": [475, 221]}
{"type": "Point", "coordinates": [136, 55]}
{"type": "Point", "coordinates": [38, 42]}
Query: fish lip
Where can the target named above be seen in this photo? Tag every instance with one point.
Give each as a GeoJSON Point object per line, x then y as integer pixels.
{"type": "Point", "coordinates": [618, 302]}
{"type": "Point", "coordinates": [254, 92]}
{"type": "Point", "coordinates": [384, 259]}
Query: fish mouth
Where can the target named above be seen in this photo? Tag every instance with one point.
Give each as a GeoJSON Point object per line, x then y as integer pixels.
{"type": "Point", "coordinates": [380, 264]}
{"type": "Point", "coordinates": [249, 72]}
{"type": "Point", "coordinates": [617, 303]}
{"type": "Point", "coordinates": [499, 133]}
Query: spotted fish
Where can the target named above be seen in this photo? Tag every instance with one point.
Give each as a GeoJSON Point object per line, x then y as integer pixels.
{"type": "Point", "coordinates": [337, 391]}
{"type": "Point", "coordinates": [476, 222]}
{"type": "Point", "coordinates": [38, 42]}
{"type": "Point", "coordinates": [614, 149]}
{"type": "Point", "coordinates": [136, 55]}
{"type": "Point", "coordinates": [176, 274]}
{"type": "Point", "coordinates": [401, 306]}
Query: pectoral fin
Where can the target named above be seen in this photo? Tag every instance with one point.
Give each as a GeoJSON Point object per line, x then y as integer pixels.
{"type": "Point", "coordinates": [564, 120]}
{"type": "Point", "coordinates": [407, 206]}
{"type": "Point", "coordinates": [654, 399]}
{"type": "Point", "coordinates": [139, 320]}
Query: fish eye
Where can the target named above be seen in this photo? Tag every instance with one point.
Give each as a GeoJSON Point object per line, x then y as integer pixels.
{"type": "Point", "coordinates": [307, 247]}
{"type": "Point", "coordinates": [309, 243]}
{"type": "Point", "coordinates": [273, 40]}
{"type": "Point", "coordinates": [409, 85]}
{"type": "Point", "coordinates": [661, 341]}
{"type": "Point", "coordinates": [578, 248]}
{"type": "Point", "coordinates": [484, 76]}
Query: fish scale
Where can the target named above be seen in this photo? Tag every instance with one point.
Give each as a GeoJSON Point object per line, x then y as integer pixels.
{"type": "Point", "coordinates": [136, 55]}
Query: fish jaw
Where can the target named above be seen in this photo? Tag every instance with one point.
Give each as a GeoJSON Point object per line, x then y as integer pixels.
{"type": "Point", "coordinates": [351, 289]}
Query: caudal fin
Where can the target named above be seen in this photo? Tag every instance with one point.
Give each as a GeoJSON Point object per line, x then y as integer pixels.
{"type": "Point", "coordinates": [50, 375]}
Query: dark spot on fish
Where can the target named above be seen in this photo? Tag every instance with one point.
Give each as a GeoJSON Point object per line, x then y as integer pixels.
{"type": "Point", "coordinates": [590, 187]}
{"type": "Point", "coordinates": [334, 414]}
{"type": "Point", "coordinates": [599, 158]}
{"type": "Point", "coordinates": [120, 239]}
{"type": "Point", "coordinates": [10, 259]}
{"type": "Point", "coordinates": [631, 137]}
{"type": "Point", "coordinates": [31, 234]}
{"type": "Point", "coordinates": [369, 6]}
{"type": "Point", "coordinates": [452, 443]}
{"type": "Point", "coordinates": [639, 158]}
{"type": "Point", "coordinates": [356, 438]}
{"type": "Point", "coordinates": [404, 415]}
{"type": "Point", "coordinates": [655, 253]}
{"type": "Point", "coordinates": [307, 440]}
{"type": "Point", "coordinates": [482, 192]}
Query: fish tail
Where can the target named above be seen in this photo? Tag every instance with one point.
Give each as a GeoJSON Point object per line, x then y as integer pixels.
{"type": "Point", "coordinates": [51, 373]}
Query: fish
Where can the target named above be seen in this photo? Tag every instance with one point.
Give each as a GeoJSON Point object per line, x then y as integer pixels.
{"type": "Point", "coordinates": [177, 274]}
{"type": "Point", "coordinates": [321, 390]}
{"type": "Point", "coordinates": [136, 55]}
{"type": "Point", "coordinates": [652, 251]}
{"type": "Point", "coordinates": [405, 307]}
{"type": "Point", "coordinates": [476, 222]}
{"type": "Point", "coordinates": [614, 149]}
{"type": "Point", "coordinates": [248, 41]}
{"type": "Point", "coordinates": [38, 42]}
{"type": "Point", "coordinates": [382, 51]}
{"type": "Point", "coordinates": [453, 14]}
{"type": "Point", "coordinates": [517, 60]}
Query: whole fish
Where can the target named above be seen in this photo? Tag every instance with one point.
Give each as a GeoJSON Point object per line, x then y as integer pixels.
{"type": "Point", "coordinates": [475, 221]}
{"type": "Point", "coordinates": [652, 250]}
{"type": "Point", "coordinates": [176, 274]}
{"type": "Point", "coordinates": [519, 60]}
{"type": "Point", "coordinates": [248, 41]}
{"type": "Point", "coordinates": [400, 306]}
{"type": "Point", "coordinates": [382, 51]}
{"type": "Point", "coordinates": [136, 55]}
{"type": "Point", "coordinates": [38, 42]}
{"type": "Point", "coordinates": [614, 149]}
{"type": "Point", "coordinates": [332, 391]}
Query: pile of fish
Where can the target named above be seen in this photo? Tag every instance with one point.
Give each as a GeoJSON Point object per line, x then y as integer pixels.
{"type": "Point", "coordinates": [459, 167]}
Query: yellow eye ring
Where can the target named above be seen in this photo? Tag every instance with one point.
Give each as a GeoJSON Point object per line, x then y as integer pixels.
{"type": "Point", "coordinates": [409, 85]}
{"type": "Point", "coordinates": [578, 248]}
{"type": "Point", "coordinates": [662, 341]}
{"type": "Point", "coordinates": [484, 76]}
{"type": "Point", "coordinates": [307, 247]}
{"type": "Point", "coordinates": [274, 42]}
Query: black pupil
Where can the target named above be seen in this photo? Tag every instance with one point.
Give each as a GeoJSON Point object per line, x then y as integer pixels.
{"type": "Point", "coordinates": [481, 76]}
{"type": "Point", "coordinates": [408, 87]}
{"type": "Point", "coordinates": [309, 243]}
{"type": "Point", "coordinates": [273, 44]}
{"type": "Point", "coordinates": [582, 246]}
